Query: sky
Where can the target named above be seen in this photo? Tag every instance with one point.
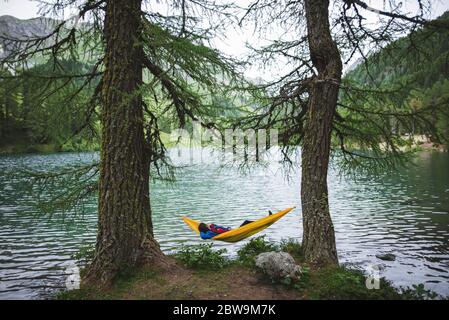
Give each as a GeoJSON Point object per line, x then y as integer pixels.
{"type": "Point", "coordinates": [236, 39]}
{"type": "Point", "coordinates": [26, 9]}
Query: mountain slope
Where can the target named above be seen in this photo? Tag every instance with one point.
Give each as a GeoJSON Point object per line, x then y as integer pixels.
{"type": "Point", "coordinates": [421, 58]}
{"type": "Point", "coordinates": [14, 28]}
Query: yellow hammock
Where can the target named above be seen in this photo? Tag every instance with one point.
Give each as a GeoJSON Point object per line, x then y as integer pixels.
{"type": "Point", "coordinates": [245, 231]}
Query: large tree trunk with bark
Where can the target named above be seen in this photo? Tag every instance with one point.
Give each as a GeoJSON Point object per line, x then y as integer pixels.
{"type": "Point", "coordinates": [125, 236]}
{"type": "Point", "coordinates": [319, 237]}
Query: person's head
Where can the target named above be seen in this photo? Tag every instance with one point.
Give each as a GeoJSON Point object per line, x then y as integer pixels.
{"type": "Point", "coordinates": [202, 227]}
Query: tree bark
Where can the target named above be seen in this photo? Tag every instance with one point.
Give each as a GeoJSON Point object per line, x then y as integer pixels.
{"type": "Point", "coordinates": [319, 237]}
{"type": "Point", "coordinates": [125, 236]}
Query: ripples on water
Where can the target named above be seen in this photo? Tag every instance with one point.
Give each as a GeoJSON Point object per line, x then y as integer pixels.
{"type": "Point", "coordinates": [405, 213]}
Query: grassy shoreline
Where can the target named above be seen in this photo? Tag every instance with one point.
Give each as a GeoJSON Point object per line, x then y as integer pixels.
{"type": "Point", "coordinates": [421, 144]}
{"type": "Point", "coordinates": [19, 149]}
{"type": "Point", "coordinates": [204, 273]}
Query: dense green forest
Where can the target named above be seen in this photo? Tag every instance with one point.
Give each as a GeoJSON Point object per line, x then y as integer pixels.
{"type": "Point", "coordinates": [32, 102]}
{"type": "Point", "coordinates": [35, 98]}
{"type": "Point", "coordinates": [415, 79]}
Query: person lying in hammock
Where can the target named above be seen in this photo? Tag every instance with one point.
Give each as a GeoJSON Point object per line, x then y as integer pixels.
{"type": "Point", "coordinates": [208, 232]}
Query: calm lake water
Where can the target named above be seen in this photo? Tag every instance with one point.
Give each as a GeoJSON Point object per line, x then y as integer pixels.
{"type": "Point", "coordinates": [405, 213]}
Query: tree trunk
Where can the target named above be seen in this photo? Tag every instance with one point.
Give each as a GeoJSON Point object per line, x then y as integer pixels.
{"type": "Point", "coordinates": [319, 237]}
{"type": "Point", "coordinates": [125, 236]}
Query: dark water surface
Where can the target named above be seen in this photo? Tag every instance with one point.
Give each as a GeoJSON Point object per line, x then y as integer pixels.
{"type": "Point", "coordinates": [405, 213]}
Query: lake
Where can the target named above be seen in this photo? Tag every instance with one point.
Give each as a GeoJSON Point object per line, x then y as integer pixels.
{"type": "Point", "coordinates": [405, 213]}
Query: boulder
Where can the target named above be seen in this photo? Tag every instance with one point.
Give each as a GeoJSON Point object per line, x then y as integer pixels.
{"type": "Point", "coordinates": [278, 265]}
{"type": "Point", "coordinates": [386, 256]}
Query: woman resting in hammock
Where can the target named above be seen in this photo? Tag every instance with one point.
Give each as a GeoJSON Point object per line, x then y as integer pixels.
{"type": "Point", "coordinates": [210, 231]}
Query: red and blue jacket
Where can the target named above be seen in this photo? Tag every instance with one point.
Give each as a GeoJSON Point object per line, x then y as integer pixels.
{"type": "Point", "coordinates": [214, 230]}
{"type": "Point", "coordinates": [218, 229]}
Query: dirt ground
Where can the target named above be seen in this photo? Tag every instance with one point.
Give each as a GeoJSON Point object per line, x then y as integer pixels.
{"type": "Point", "coordinates": [232, 283]}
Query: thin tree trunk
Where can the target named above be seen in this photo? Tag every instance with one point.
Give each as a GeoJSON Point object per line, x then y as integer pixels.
{"type": "Point", "coordinates": [125, 236]}
{"type": "Point", "coordinates": [319, 237]}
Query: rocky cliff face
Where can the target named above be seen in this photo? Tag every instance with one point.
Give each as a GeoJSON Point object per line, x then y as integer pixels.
{"type": "Point", "coordinates": [13, 30]}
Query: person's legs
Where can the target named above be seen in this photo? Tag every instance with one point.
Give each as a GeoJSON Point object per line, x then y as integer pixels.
{"type": "Point", "coordinates": [246, 222]}
{"type": "Point", "coordinates": [249, 221]}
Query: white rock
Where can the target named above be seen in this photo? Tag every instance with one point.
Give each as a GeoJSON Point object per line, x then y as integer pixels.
{"type": "Point", "coordinates": [278, 265]}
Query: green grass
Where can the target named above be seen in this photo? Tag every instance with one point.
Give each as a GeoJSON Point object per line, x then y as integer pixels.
{"type": "Point", "coordinates": [293, 247]}
{"type": "Point", "coordinates": [207, 263]}
{"type": "Point", "coordinates": [48, 148]}
{"type": "Point", "coordinates": [247, 254]}
{"type": "Point", "coordinates": [202, 257]}
{"type": "Point", "coordinates": [29, 148]}
{"type": "Point", "coordinates": [345, 283]}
